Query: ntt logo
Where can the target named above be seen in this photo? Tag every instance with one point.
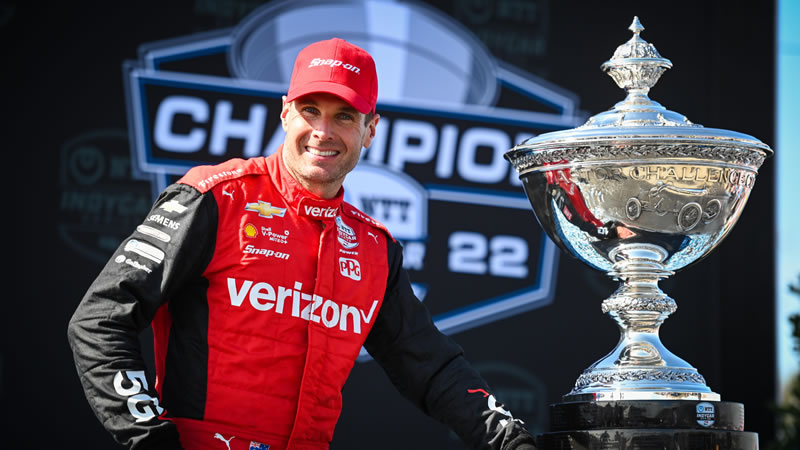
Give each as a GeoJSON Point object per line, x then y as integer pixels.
{"type": "Point", "coordinates": [334, 63]}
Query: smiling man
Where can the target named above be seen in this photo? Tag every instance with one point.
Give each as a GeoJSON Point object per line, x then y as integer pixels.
{"type": "Point", "coordinates": [324, 138]}
{"type": "Point", "coordinates": [262, 290]}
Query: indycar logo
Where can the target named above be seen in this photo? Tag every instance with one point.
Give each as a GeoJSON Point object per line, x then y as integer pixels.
{"type": "Point", "coordinates": [705, 414]}
{"type": "Point", "coordinates": [265, 209]}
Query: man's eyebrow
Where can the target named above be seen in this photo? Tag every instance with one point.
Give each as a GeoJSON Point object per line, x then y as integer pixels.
{"type": "Point", "coordinates": [349, 109]}
{"type": "Point", "coordinates": [309, 101]}
{"type": "Point", "coordinates": [305, 101]}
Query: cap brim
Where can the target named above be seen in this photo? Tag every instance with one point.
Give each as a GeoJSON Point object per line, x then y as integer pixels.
{"type": "Point", "coordinates": [345, 93]}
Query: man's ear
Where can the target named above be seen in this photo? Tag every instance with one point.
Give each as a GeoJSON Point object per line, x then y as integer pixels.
{"type": "Point", "coordinates": [284, 112]}
{"type": "Point", "coordinates": [371, 129]}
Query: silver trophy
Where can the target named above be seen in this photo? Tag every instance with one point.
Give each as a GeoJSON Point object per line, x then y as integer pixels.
{"type": "Point", "coordinates": [639, 192]}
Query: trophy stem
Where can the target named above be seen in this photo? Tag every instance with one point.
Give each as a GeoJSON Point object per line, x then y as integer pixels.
{"type": "Point", "coordinates": [640, 367]}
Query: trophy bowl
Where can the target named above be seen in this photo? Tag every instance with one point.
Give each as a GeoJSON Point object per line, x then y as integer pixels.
{"type": "Point", "coordinates": [638, 192]}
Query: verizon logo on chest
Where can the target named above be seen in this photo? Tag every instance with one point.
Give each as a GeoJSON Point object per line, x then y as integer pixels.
{"type": "Point", "coordinates": [264, 297]}
{"type": "Point", "coordinates": [320, 212]}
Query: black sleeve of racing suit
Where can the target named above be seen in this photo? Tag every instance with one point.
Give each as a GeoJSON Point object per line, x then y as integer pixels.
{"type": "Point", "coordinates": [121, 302]}
{"type": "Point", "coordinates": [429, 369]}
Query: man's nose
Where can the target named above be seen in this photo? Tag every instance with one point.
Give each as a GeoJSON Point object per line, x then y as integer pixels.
{"type": "Point", "coordinates": [322, 127]}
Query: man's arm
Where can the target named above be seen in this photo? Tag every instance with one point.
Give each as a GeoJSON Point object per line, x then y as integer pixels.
{"type": "Point", "coordinates": [429, 369]}
{"type": "Point", "coordinates": [172, 245]}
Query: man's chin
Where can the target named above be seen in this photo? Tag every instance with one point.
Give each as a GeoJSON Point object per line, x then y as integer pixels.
{"type": "Point", "coordinates": [322, 178]}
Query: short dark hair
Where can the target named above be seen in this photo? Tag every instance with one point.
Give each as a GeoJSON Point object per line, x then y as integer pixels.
{"type": "Point", "coordinates": [368, 117]}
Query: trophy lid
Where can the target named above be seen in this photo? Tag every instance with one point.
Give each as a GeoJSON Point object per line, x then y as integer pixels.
{"type": "Point", "coordinates": [636, 66]}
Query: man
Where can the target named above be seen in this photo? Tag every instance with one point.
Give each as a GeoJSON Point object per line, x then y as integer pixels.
{"type": "Point", "coordinates": [261, 286]}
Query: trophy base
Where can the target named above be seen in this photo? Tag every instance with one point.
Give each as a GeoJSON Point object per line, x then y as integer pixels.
{"type": "Point", "coordinates": [647, 439]}
{"type": "Point", "coordinates": [647, 424]}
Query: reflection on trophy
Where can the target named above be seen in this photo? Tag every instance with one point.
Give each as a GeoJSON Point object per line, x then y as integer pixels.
{"type": "Point", "coordinates": [640, 192]}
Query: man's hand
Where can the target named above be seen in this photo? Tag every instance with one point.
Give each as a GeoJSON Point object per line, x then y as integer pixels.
{"type": "Point", "coordinates": [523, 441]}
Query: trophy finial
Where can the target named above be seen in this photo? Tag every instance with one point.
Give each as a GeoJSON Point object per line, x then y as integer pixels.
{"type": "Point", "coordinates": [636, 26]}
{"type": "Point", "coordinates": [636, 65]}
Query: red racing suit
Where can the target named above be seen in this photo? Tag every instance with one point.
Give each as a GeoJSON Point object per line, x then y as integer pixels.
{"type": "Point", "coordinates": [260, 297]}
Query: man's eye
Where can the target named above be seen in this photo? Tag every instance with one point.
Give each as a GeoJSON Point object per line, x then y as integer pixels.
{"type": "Point", "coordinates": [310, 110]}
{"type": "Point", "coordinates": [345, 116]}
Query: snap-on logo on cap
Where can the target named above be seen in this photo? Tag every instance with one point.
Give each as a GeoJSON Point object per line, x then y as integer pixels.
{"type": "Point", "coordinates": [333, 63]}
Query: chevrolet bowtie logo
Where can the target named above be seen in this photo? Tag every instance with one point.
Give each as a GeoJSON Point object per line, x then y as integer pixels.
{"type": "Point", "coordinates": [265, 209]}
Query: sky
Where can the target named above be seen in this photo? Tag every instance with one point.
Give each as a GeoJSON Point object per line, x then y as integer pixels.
{"type": "Point", "coordinates": [787, 160]}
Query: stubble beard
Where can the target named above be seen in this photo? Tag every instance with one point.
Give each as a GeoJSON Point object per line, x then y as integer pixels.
{"type": "Point", "coordinates": [323, 176]}
{"type": "Point", "coordinates": [320, 179]}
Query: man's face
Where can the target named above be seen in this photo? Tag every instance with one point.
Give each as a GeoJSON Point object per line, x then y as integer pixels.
{"type": "Point", "coordinates": [324, 137]}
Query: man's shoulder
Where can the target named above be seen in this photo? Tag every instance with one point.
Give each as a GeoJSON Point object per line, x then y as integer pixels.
{"type": "Point", "coordinates": [204, 178]}
{"type": "Point", "coordinates": [351, 211]}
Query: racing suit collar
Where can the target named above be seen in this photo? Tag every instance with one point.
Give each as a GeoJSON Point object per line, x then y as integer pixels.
{"type": "Point", "coordinates": [299, 198]}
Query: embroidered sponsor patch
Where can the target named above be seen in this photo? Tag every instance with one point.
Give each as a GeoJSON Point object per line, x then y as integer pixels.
{"type": "Point", "coordinates": [350, 268]}
{"type": "Point", "coordinates": [152, 232]}
{"type": "Point", "coordinates": [145, 249]}
{"type": "Point", "coordinates": [346, 235]}
{"type": "Point", "coordinates": [265, 209]}
{"type": "Point", "coordinates": [250, 230]}
{"type": "Point", "coordinates": [173, 206]}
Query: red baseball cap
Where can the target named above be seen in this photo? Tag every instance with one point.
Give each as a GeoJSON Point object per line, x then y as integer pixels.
{"type": "Point", "coordinates": [337, 67]}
